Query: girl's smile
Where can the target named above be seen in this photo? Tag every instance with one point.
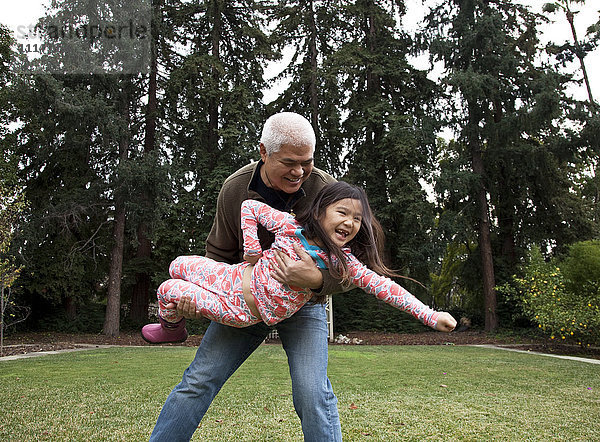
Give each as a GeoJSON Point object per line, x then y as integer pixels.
{"type": "Point", "coordinates": [342, 220]}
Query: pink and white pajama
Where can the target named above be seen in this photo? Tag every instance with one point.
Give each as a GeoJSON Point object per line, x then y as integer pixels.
{"type": "Point", "coordinates": [216, 287]}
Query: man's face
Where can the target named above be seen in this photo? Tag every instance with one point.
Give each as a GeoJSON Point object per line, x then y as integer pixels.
{"type": "Point", "coordinates": [287, 169]}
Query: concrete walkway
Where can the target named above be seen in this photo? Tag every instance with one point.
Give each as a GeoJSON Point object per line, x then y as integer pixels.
{"type": "Point", "coordinates": [571, 358]}
{"type": "Point", "coordinates": [80, 347]}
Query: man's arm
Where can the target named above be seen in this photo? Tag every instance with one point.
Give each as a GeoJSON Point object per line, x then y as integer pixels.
{"type": "Point", "coordinates": [300, 273]}
{"type": "Point", "coordinates": [305, 273]}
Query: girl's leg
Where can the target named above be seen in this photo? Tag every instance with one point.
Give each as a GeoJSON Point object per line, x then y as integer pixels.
{"type": "Point", "coordinates": [192, 268]}
{"type": "Point", "coordinates": [170, 327]}
{"type": "Point", "coordinates": [200, 270]}
{"type": "Point", "coordinates": [168, 292]}
{"type": "Point", "coordinates": [228, 308]}
{"type": "Point", "coordinates": [215, 288]}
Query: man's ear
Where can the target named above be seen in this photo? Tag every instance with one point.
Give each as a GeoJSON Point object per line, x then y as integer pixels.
{"type": "Point", "coordinates": [263, 151]}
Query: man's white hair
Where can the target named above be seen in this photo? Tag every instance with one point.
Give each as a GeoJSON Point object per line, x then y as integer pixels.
{"type": "Point", "coordinates": [287, 128]}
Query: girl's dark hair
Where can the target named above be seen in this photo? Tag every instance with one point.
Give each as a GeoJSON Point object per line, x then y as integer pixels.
{"type": "Point", "coordinates": [367, 245]}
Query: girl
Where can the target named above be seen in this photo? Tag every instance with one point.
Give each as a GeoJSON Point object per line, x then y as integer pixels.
{"type": "Point", "coordinates": [339, 220]}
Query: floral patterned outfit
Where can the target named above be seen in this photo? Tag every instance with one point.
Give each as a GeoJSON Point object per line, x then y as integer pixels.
{"type": "Point", "coordinates": [216, 287]}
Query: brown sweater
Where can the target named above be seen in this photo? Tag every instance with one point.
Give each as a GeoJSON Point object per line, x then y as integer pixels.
{"type": "Point", "coordinates": [225, 241]}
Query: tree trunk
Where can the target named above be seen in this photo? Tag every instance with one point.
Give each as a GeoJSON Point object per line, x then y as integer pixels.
{"type": "Point", "coordinates": [506, 226]}
{"type": "Point", "coordinates": [113, 304]}
{"type": "Point", "coordinates": [505, 207]}
{"type": "Point", "coordinates": [213, 109]}
{"type": "Point", "coordinates": [579, 54]}
{"type": "Point", "coordinates": [314, 89]}
{"type": "Point", "coordinates": [374, 129]}
{"type": "Point", "coordinates": [485, 243]}
{"type": "Point", "coordinates": [70, 308]}
{"type": "Point", "coordinates": [141, 289]}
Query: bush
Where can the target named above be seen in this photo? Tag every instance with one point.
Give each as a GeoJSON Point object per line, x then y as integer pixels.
{"type": "Point", "coordinates": [548, 298]}
{"type": "Point", "coordinates": [89, 319]}
{"type": "Point", "coordinates": [582, 268]}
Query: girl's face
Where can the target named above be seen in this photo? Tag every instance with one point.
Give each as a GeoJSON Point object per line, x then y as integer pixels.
{"type": "Point", "coordinates": [341, 220]}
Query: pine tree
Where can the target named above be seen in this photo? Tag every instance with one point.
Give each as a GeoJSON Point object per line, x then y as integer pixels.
{"type": "Point", "coordinates": [213, 102]}
{"type": "Point", "coordinates": [587, 116]}
{"type": "Point", "coordinates": [75, 145]}
{"type": "Point", "coordinates": [578, 49]}
{"type": "Point", "coordinates": [505, 108]}
{"type": "Point", "coordinates": [310, 31]}
{"type": "Point", "coordinates": [388, 130]}
{"type": "Point", "coordinates": [149, 194]}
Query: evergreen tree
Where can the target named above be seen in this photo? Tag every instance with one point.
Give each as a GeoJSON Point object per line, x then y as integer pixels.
{"type": "Point", "coordinates": [115, 270]}
{"type": "Point", "coordinates": [311, 31]}
{"type": "Point", "coordinates": [515, 158]}
{"type": "Point", "coordinates": [585, 140]}
{"type": "Point", "coordinates": [150, 192]}
{"type": "Point", "coordinates": [214, 107]}
{"type": "Point", "coordinates": [578, 48]}
{"type": "Point", "coordinates": [61, 243]}
{"type": "Point", "coordinates": [75, 145]}
{"type": "Point", "coordinates": [389, 131]}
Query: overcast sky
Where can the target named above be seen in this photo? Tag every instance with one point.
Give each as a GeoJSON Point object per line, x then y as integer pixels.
{"type": "Point", "coordinates": [26, 12]}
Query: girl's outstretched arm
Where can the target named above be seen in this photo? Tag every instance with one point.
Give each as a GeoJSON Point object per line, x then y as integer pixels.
{"type": "Point", "coordinates": [394, 294]}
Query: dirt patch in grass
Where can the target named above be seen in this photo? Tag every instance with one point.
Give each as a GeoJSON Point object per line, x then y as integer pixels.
{"type": "Point", "coordinates": [24, 343]}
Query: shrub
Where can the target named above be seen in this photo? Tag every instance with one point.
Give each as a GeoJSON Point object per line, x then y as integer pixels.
{"type": "Point", "coordinates": [547, 297]}
{"type": "Point", "coordinates": [89, 319]}
{"type": "Point", "coordinates": [582, 268]}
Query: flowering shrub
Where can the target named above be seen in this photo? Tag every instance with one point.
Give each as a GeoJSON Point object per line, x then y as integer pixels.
{"type": "Point", "coordinates": [547, 298]}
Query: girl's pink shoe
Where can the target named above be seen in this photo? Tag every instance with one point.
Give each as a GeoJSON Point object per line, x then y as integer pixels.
{"type": "Point", "coordinates": [165, 332]}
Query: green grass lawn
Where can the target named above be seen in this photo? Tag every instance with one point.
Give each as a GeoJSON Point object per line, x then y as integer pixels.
{"type": "Point", "coordinates": [385, 393]}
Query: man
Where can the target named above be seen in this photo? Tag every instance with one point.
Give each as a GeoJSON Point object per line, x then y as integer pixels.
{"type": "Point", "coordinates": [285, 179]}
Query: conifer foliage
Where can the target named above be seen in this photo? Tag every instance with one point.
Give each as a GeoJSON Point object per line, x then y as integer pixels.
{"type": "Point", "coordinates": [121, 152]}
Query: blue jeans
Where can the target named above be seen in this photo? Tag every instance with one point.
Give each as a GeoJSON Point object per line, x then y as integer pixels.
{"type": "Point", "coordinates": [223, 349]}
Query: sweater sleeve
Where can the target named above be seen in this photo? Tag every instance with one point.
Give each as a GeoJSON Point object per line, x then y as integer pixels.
{"type": "Point", "coordinates": [223, 241]}
{"type": "Point", "coordinates": [390, 292]}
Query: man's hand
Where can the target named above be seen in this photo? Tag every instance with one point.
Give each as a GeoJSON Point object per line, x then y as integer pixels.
{"type": "Point", "coordinates": [186, 308]}
{"type": "Point", "coordinates": [303, 273]}
{"type": "Point", "coordinates": [445, 322]}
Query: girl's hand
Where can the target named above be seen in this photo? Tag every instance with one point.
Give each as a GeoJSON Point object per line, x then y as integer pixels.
{"type": "Point", "coordinates": [445, 322]}
{"type": "Point", "coordinates": [252, 259]}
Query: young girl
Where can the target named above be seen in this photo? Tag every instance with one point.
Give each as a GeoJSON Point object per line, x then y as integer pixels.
{"type": "Point", "coordinates": [340, 233]}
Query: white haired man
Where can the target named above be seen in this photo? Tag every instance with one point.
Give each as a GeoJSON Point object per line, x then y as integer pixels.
{"type": "Point", "coordinates": [285, 179]}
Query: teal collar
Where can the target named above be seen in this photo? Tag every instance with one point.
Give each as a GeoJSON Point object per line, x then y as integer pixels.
{"type": "Point", "coordinates": [311, 250]}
